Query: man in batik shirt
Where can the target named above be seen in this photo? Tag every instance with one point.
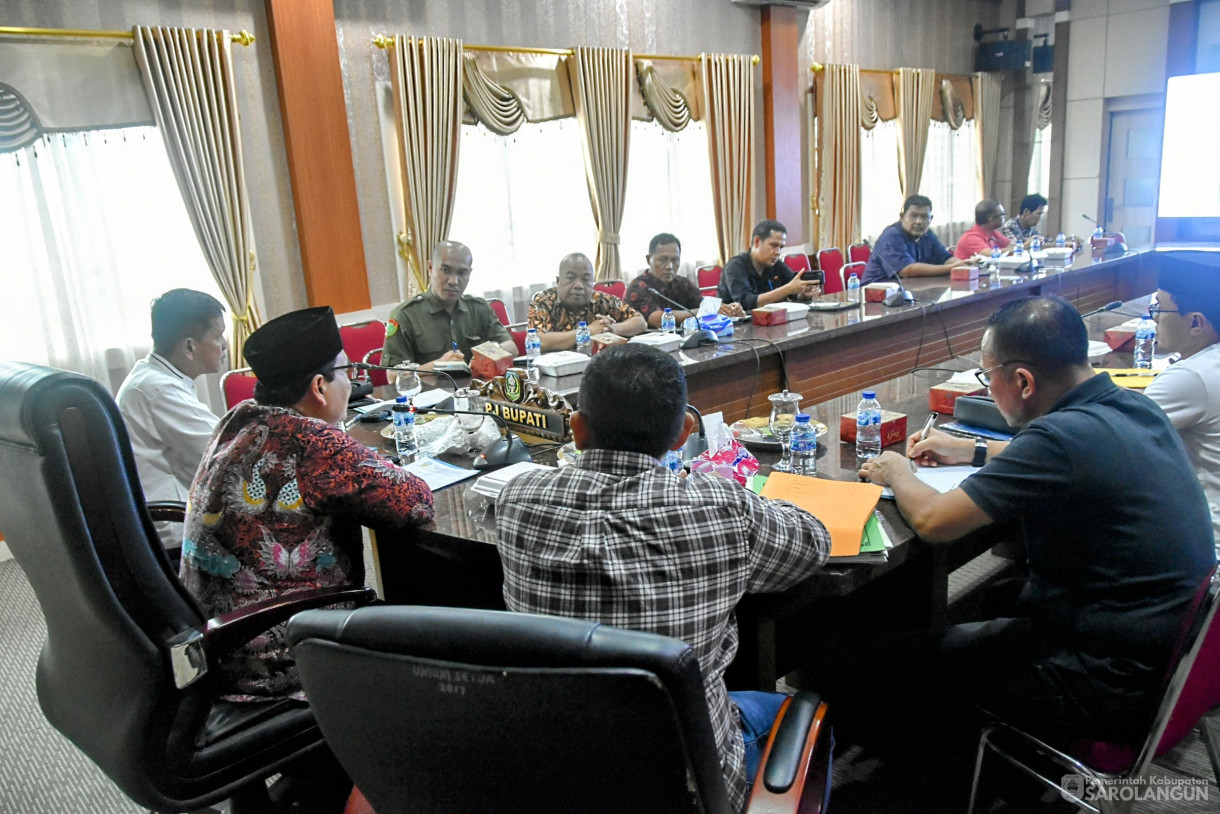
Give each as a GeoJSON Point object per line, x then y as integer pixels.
{"type": "Point", "coordinates": [662, 278]}
{"type": "Point", "coordinates": [556, 311]}
{"type": "Point", "coordinates": [278, 501]}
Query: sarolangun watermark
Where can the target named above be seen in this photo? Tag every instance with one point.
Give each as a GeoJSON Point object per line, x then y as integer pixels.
{"type": "Point", "coordinates": [1173, 789]}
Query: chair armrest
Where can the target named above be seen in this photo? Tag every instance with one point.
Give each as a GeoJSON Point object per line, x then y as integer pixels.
{"type": "Point", "coordinates": [795, 771]}
{"type": "Point", "coordinates": [193, 651]}
{"type": "Point", "coordinates": [173, 511]}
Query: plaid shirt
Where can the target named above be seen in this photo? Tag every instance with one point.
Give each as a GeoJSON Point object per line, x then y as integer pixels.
{"type": "Point", "coordinates": [548, 314]}
{"type": "Point", "coordinates": [619, 539]}
{"type": "Point", "coordinates": [1013, 230]}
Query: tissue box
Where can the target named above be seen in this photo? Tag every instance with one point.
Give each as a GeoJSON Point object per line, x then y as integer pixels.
{"type": "Point", "coordinates": [605, 340]}
{"type": "Point", "coordinates": [562, 363]}
{"type": "Point", "coordinates": [893, 427]}
{"type": "Point", "coordinates": [964, 273]}
{"type": "Point", "coordinates": [964, 285]}
{"type": "Point", "coordinates": [876, 292]}
{"type": "Point", "coordinates": [718, 324]}
{"type": "Point", "coordinates": [666, 342]}
{"type": "Point", "coordinates": [942, 396]}
{"type": "Point", "coordinates": [489, 360]}
{"type": "Point", "coordinates": [770, 315]}
{"type": "Point", "coordinates": [1122, 337]}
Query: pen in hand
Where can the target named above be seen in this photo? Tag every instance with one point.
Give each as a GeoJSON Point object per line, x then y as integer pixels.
{"type": "Point", "coordinates": [923, 435]}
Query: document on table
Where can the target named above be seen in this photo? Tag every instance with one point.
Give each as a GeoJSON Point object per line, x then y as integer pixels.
{"type": "Point", "coordinates": [940, 478]}
{"type": "Point", "coordinates": [438, 474]}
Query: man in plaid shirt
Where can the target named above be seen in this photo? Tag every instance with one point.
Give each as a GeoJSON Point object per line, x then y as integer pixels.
{"type": "Point", "coordinates": [620, 539]}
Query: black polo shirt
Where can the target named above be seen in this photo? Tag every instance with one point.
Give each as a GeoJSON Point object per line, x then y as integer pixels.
{"type": "Point", "coordinates": [739, 283]}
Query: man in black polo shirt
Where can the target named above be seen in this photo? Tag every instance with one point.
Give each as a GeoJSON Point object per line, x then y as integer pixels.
{"type": "Point", "coordinates": [1117, 534]}
{"type": "Point", "coordinates": [758, 276]}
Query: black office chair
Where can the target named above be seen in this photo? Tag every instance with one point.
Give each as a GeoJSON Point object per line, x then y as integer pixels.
{"type": "Point", "coordinates": [458, 710]}
{"type": "Point", "coordinates": [124, 672]}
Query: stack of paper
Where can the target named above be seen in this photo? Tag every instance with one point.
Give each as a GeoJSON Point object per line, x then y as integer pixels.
{"type": "Point", "coordinates": [491, 484]}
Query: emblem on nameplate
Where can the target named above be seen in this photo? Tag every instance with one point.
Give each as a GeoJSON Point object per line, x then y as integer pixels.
{"type": "Point", "coordinates": [514, 386]}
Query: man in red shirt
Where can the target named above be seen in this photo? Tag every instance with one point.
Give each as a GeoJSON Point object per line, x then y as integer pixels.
{"type": "Point", "coordinates": [985, 235]}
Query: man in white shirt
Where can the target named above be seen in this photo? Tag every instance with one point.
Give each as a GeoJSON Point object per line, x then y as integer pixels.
{"type": "Point", "coordinates": [1187, 313]}
{"type": "Point", "coordinates": [168, 424]}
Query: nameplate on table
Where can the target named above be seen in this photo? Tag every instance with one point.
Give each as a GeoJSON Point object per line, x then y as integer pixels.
{"type": "Point", "coordinates": [527, 407]}
{"type": "Point", "coordinates": [531, 420]}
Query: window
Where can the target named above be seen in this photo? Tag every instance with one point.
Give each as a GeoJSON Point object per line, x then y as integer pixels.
{"type": "Point", "coordinates": [93, 228]}
{"type": "Point", "coordinates": [880, 188]}
{"type": "Point", "coordinates": [1040, 163]}
{"type": "Point", "coordinates": [950, 178]}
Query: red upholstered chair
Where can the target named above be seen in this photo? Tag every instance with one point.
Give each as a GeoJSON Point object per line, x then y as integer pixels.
{"type": "Point", "coordinates": [362, 338]}
{"type": "Point", "coordinates": [615, 288]}
{"type": "Point", "coordinates": [237, 386]}
{"type": "Point", "coordinates": [1191, 688]}
{"type": "Point", "coordinates": [859, 252]}
{"type": "Point", "coordinates": [847, 270]}
{"type": "Point", "coordinates": [708, 278]}
{"type": "Point", "coordinates": [519, 338]}
{"type": "Point", "coordinates": [500, 310]}
{"type": "Point", "coordinates": [830, 261]}
{"type": "Point", "coordinates": [798, 262]}
{"type": "Point", "coordinates": [376, 377]}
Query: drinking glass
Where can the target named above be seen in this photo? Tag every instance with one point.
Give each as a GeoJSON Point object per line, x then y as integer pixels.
{"type": "Point", "coordinates": [467, 398]}
{"type": "Point", "coordinates": [784, 407]}
{"type": "Point", "coordinates": [408, 383]}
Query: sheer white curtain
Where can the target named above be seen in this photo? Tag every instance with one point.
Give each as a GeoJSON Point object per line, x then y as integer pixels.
{"type": "Point", "coordinates": [93, 228]}
{"type": "Point", "coordinates": [881, 189]}
{"type": "Point", "coordinates": [669, 189]}
{"type": "Point", "coordinates": [1040, 164]}
{"type": "Point", "coordinates": [950, 179]}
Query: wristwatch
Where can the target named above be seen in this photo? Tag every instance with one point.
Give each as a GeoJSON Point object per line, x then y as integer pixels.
{"type": "Point", "coordinates": [980, 452]}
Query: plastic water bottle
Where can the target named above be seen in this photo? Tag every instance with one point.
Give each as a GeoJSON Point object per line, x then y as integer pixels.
{"type": "Point", "coordinates": [868, 427]}
{"type": "Point", "coordinates": [668, 323]}
{"type": "Point", "coordinates": [1145, 343]}
{"type": "Point", "coordinates": [993, 267]}
{"type": "Point", "coordinates": [1035, 243]}
{"type": "Point", "coordinates": [853, 288]}
{"type": "Point", "coordinates": [690, 325]}
{"type": "Point", "coordinates": [673, 461]}
{"type": "Point", "coordinates": [584, 343]}
{"type": "Point", "coordinates": [1060, 240]}
{"type": "Point", "coordinates": [533, 349]}
{"type": "Point", "coordinates": [1018, 250]}
{"type": "Point", "coordinates": [804, 442]}
{"type": "Point", "coordinates": [404, 431]}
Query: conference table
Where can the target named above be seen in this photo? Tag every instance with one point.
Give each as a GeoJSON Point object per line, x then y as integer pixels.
{"type": "Point", "coordinates": [454, 562]}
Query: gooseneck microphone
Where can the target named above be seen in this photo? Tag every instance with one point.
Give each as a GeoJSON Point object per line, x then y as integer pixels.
{"type": "Point", "coordinates": [1110, 306]}
{"type": "Point", "coordinates": [508, 450]}
{"type": "Point", "coordinates": [900, 297]}
{"type": "Point", "coordinates": [674, 303]}
{"type": "Point", "coordinates": [409, 368]}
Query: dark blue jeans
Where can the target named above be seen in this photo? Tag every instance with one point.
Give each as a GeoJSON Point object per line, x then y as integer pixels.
{"type": "Point", "coordinates": [758, 711]}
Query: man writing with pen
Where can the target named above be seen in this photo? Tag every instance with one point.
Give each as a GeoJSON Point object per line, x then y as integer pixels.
{"type": "Point", "coordinates": [1117, 535]}
{"type": "Point", "coordinates": [661, 286]}
{"type": "Point", "coordinates": [443, 323]}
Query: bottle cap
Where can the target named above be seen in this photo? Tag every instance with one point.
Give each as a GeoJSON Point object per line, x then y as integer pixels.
{"type": "Point", "coordinates": [870, 394]}
{"type": "Point", "coordinates": [802, 418]}
{"type": "Point", "coordinates": [669, 310]}
{"type": "Point", "coordinates": [401, 400]}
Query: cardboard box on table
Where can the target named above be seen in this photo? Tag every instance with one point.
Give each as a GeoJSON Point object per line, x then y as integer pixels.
{"type": "Point", "coordinates": [893, 427]}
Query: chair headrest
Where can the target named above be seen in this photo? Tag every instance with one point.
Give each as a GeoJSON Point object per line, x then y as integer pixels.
{"type": "Point", "coordinates": [22, 394]}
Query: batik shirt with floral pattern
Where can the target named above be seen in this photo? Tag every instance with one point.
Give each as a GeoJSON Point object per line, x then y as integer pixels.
{"type": "Point", "coordinates": [548, 314]}
{"type": "Point", "coordinates": [276, 507]}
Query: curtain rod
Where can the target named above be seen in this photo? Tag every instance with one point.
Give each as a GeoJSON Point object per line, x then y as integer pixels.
{"type": "Point", "coordinates": [818, 67]}
{"type": "Point", "coordinates": [382, 41]}
{"type": "Point", "coordinates": [243, 37]}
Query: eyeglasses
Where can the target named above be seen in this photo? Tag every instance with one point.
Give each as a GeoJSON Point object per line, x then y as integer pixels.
{"type": "Point", "coordinates": [984, 376]}
{"type": "Point", "coordinates": [1155, 311]}
{"type": "Point", "coordinates": [348, 369]}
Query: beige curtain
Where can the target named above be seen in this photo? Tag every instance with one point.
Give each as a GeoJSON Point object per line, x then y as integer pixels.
{"type": "Point", "coordinates": [951, 104]}
{"type": "Point", "coordinates": [188, 74]}
{"type": "Point", "coordinates": [986, 127]}
{"type": "Point", "coordinates": [1043, 118]}
{"type": "Point", "coordinates": [601, 91]}
{"type": "Point", "coordinates": [916, 91]}
{"type": "Point", "coordinates": [498, 108]}
{"type": "Point", "coordinates": [668, 105]}
{"type": "Point", "coordinates": [842, 113]}
{"type": "Point", "coordinates": [728, 113]}
{"type": "Point", "coordinates": [427, 81]}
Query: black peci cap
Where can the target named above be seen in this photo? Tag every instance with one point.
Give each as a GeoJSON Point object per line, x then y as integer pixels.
{"type": "Point", "coordinates": [295, 344]}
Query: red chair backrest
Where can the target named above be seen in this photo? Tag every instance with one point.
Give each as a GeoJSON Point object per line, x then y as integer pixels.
{"type": "Point", "coordinates": [616, 288]}
{"type": "Point", "coordinates": [859, 252]}
{"type": "Point", "coordinates": [797, 262]}
{"type": "Point", "coordinates": [362, 338]}
{"type": "Point", "coordinates": [830, 261]}
{"type": "Point", "coordinates": [846, 271]}
{"type": "Point", "coordinates": [1201, 692]}
{"type": "Point", "coordinates": [376, 377]}
{"type": "Point", "coordinates": [709, 276]}
{"type": "Point", "coordinates": [519, 338]}
{"type": "Point", "coordinates": [237, 386]}
{"type": "Point", "coordinates": [500, 309]}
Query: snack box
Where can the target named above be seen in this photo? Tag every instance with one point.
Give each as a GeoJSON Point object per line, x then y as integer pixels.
{"type": "Point", "coordinates": [562, 363]}
{"type": "Point", "coordinates": [488, 360]}
{"type": "Point", "coordinates": [942, 396]}
{"type": "Point", "coordinates": [605, 340]}
{"type": "Point", "coordinates": [964, 273]}
{"type": "Point", "coordinates": [662, 341]}
{"type": "Point", "coordinates": [876, 292]}
{"type": "Point", "coordinates": [1122, 336]}
{"type": "Point", "coordinates": [769, 315]}
{"type": "Point", "coordinates": [893, 427]}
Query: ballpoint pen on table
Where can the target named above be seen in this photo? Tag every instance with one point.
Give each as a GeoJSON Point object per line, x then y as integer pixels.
{"type": "Point", "coordinates": [923, 435]}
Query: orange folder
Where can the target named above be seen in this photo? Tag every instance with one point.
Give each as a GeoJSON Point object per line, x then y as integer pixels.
{"type": "Point", "coordinates": [842, 506]}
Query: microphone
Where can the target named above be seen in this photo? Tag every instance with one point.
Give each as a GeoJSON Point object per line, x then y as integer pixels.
{"type": "Point", "coordinates": [1110, 306]}
{"type": "Point", "coordinates": [674, 303]}
{"type": "Point", "coordinates": [1090, 220]}
{"type": "Point", "coordinates": [698, 337]}
{"type": "Point", "coordinates": [508, 450]}
{"type": "Point", "coordinates": [696, 444]}
{"type": "Point", "coordinates": [411, 368]}
{"type": "Point", "coordinates": [900, 297]}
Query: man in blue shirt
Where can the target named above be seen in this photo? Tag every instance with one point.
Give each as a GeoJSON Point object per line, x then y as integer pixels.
{"type": "Point", "coordinates": [908, 248]}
